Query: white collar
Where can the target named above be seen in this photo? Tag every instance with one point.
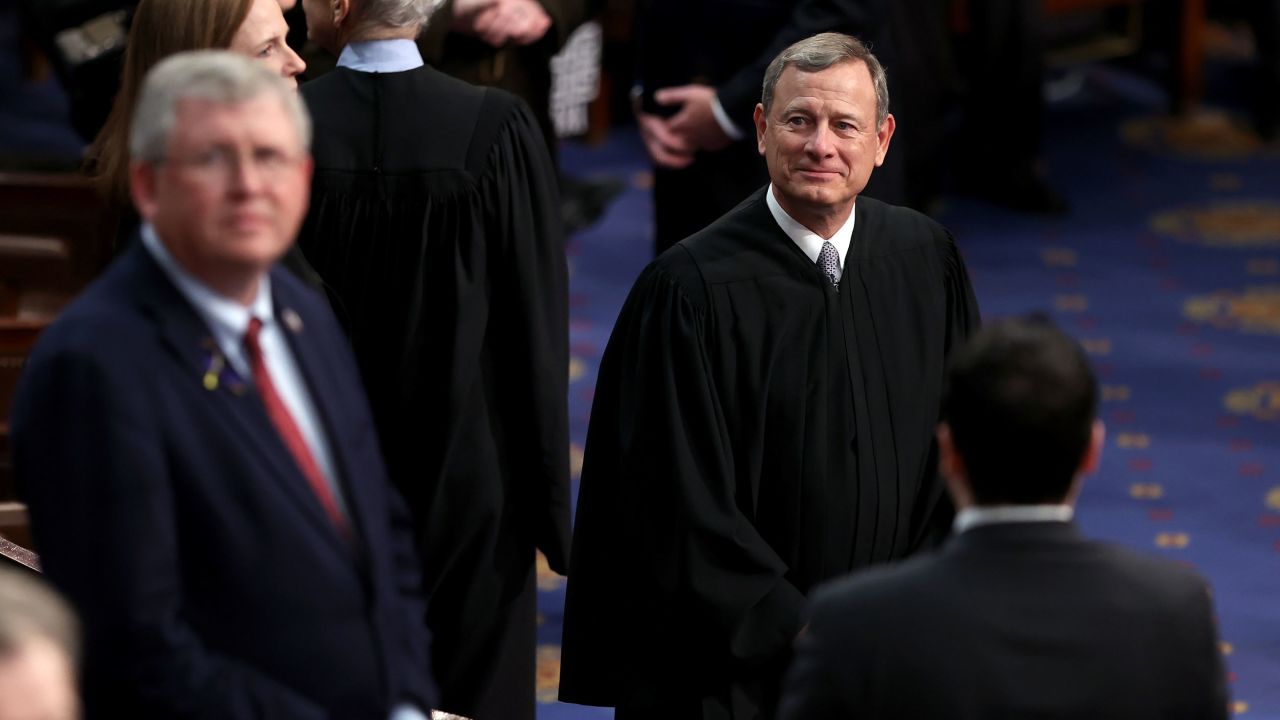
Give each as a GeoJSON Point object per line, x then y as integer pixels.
{"type": "Point", "coordinates": [381, 56]}
{"type": "Point", "coordinates": [810, 242]}
{"type": "Point", "coordinates": [974, 516]}
{"type": "Point", "coordinates": [226, 318]}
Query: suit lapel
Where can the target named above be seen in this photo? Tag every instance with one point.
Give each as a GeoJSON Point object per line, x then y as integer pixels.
{"type": "Point", "coordinates": [313, 360]}
{"type": "Point", "coordinates": [187, 337]}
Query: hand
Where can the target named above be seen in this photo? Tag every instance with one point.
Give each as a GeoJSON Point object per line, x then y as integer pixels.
{"type": "Point", "coordinates": [665, 148]}
{"type": "Point", "coordinates": [695, 123]}
{"type": "Point", "coordinates": [504, 22]}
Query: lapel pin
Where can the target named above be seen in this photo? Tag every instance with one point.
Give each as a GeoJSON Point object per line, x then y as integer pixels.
{"type": "Point", "coordinates": [291, 320]}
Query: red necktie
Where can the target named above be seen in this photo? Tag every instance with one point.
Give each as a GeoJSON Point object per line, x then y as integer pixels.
{"type": "Point", "coordinates": [287, 428]}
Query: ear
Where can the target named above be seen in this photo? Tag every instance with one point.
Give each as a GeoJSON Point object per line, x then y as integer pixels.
{"type": "Point", "coordinates": [761, 124]}
{"type": "Point", "coordinates": [1093, 453]}
{"type": "Point", "coordinates": [1088, 463]}
{"type": "Point", "coordinates": [883, 135]}
{"type": "Point", "coordinates": [951, 467]}
{"type": "Point", "coordinates": [341, 11]}
{"type": "Point", "coordinates": [143, 185]}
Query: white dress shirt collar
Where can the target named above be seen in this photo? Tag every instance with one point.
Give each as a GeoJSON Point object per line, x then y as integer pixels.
{"type": "Point", "coordinates": [227, 319]}
{"type": "Point", "coordinates": [974, 516]}
{"type": "Point", "coordinates": [381, 56]}
{"type": "Point", "coordinates": [810, 242]}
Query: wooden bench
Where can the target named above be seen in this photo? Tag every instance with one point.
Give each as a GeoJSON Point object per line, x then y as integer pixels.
{"type": "Point", "coordinates": [40, 208]}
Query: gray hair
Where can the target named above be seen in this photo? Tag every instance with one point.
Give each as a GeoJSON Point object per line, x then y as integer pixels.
{"type": "Point", "coordinates": [395, 13]}
{"type": "Point", "coordinates": [216, 76]}
{"type": "Point", "coordinates": [29, 609]}
{"type": "Point", "coordinates": [821, 52]}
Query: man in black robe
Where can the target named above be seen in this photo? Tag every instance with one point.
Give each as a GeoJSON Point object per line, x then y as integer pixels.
{"type": "Point", "coordinates": [764, 413]}
{"type": "Point", "coordinates": [435, 222]}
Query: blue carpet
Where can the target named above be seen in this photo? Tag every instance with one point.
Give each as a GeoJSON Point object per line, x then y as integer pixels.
{"type": "Point", "coordinates": [1168, 271]}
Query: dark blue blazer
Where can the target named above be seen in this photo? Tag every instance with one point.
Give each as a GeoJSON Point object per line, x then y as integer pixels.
{"type": "Point", "coordinates": [1012, 621]}
{"type": "Point", "coordinates": [210, 581]}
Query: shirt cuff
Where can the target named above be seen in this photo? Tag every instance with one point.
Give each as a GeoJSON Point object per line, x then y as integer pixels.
{"type": "Point", "coordinates": [405, 711]}
{"type": "Point", "coordinates": [722, 119]}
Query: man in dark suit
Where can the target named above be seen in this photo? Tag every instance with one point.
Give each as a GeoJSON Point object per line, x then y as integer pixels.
{"type": "Point", "coordinates": [1017, 616]}
{"type": "Point", "coordinates": [198, 456]}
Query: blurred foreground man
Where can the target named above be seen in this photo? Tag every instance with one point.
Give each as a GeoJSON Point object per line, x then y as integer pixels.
{"type": "Point", "coordinates": [199, 460]}
{"type": "Point", "coordinates": [1018, 616]}
{"type": "Point", "coordinates": [764, 412]}
{"type": "Point", "coordinates": [434, 219]}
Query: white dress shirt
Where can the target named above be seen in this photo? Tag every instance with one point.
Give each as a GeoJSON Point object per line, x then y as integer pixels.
{"type": "Point", "coordinates": [810, 242]}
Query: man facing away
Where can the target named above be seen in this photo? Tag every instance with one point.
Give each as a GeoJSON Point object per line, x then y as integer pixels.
{"type": "Point", "coordinates": [198, 457]}
{"type": "Point", "coordinates": [434, 220]}
{"type": "Point", "coordinates": [1018, 616]}
{"type": "Point", "coordinates": [764, 414]}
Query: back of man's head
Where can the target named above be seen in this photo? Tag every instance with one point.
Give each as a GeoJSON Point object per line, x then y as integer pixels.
{"type": "Point", "coordinates": [1020, 401]}
{"type": "Point", "coordinates": [39, 649]}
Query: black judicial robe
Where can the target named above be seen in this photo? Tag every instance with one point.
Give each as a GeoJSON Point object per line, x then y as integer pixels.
{"type": "Point", "coordinates": [435, 222]}
{"type": "Point", "coordinates": [755, 432]}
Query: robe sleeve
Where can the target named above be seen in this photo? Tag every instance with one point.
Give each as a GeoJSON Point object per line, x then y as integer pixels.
{"type": "Point", "coordinates": [658, 521]}
{"type": "Point", "coordinates": [530, 316]}
{"type": "Point", "coordinates": [962, 320]}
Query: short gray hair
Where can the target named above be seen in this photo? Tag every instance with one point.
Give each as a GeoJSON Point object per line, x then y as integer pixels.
{"type": "Point", "coordinates": [821, 52]}
{"type": "Point", "coordinates": [395, 13]}
{"type": "Point", "coordinates": [216, 76]}
{"type": "Point", "coordinates": [29, 609]}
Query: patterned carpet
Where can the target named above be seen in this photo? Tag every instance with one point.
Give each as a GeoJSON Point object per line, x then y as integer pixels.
{"type": "Point", "coordinates": [1168, 271]}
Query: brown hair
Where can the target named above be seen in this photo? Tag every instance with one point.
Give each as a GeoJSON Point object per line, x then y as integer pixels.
{"type": "Point", "coordinates": [160, 28]}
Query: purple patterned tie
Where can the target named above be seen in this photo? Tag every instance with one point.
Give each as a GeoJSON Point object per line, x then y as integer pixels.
{"type": "Point", "coordinates": [829, 262]}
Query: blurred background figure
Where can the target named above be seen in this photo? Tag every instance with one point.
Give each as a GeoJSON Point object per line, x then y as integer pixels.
{"type": "Point", "coordinates": [39, 651]}
{"type": "Point", "coordinates": [160, 28]}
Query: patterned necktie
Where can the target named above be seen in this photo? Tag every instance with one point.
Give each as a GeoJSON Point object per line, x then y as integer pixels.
{"type": "Point", "coordinates": [829, 263]}
{"type": "Point", "coordinates": [288, 429]}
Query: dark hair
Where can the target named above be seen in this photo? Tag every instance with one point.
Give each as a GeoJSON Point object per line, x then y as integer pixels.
{"type": "Point", "coordinates": [1020, 399]}
{"type": "Point", "coordinates": [160, 28]}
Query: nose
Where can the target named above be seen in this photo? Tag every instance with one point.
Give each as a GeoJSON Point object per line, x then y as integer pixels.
{"type": "Point", "coordinates": [819, 142]}
{"type": "Point", "coordinates": [246, 176]}
{"type": "Point", "coordinates": [293, 64]}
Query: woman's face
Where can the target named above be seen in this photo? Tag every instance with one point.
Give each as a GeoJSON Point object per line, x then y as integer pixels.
{"type": "Point", "coordinates": [261, 36]}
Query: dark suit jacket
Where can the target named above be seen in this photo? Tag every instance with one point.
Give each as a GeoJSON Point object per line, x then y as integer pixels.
{"type": "Point", "coordinates": [1025, 620]}
{"type": "Point", "coordinates": [210, 581]}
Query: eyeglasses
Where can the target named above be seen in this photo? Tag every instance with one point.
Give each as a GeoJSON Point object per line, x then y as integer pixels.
{"type": "Point", "coordinates": [219, 164]}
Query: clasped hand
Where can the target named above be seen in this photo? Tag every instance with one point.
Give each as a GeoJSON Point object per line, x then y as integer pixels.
{"type": "Point", "coordinates": [672, 141]}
